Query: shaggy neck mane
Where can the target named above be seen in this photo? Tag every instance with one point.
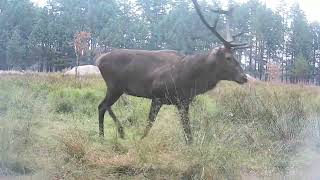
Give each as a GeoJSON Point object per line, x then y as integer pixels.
{"type": "Point", "coordinates": [190, 67]}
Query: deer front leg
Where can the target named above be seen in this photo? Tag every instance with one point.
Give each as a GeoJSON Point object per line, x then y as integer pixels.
{"type": "Point", "coordinates": [183, 109]}
{"type": "Point", "coordinates": [154, 109]}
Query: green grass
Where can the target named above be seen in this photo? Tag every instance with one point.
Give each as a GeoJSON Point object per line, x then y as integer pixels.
{"type": "Point", "coordinates": [49, 126]}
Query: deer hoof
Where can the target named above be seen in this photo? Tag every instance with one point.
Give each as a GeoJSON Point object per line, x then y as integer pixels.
{"type": "Point", "coordinates": [121, 132]}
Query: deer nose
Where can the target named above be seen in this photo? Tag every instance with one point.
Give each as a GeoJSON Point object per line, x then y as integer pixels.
{"type": "Point", "coordinates": [245, 78]}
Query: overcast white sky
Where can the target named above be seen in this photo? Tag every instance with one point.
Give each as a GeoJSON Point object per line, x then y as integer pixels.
{"type": "Point", "coordinates": [310, 7]}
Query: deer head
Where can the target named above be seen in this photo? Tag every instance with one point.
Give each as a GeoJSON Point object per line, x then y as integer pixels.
{"type": "Point", "coordinates": [228, 68]}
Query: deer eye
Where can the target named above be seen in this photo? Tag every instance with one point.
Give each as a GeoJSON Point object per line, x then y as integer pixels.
{"type": "Point", "coordinates": [228, 58]}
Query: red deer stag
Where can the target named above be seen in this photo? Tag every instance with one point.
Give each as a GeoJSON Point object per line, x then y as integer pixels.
{"type": "Point", "coordinates": [166, 77]}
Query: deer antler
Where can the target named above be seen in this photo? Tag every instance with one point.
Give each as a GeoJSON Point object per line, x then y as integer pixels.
{"type": "Point", "coordinates": [226, 43]}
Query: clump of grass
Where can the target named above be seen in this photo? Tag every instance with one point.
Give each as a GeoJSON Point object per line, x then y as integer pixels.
{"type": "Point", "coordinates": [74, 144]}
{"type": "Point", "coordinates": [274, 120]}
{"type": "Point", "coordinates": [71, 100]}
{"type": "Point", "coordinates": [280, 112]}
{"type": "Point", "coordinates": [18, 118]}
{"type": "Point", "coordinates": [63, 106]}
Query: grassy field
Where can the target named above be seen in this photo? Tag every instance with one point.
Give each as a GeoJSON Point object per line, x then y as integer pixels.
{"type": "Point", "coordinates": [49, 130]}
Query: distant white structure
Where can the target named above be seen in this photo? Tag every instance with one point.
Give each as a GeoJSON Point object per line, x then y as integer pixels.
{"type": "Point", "coordinates": [11, 72]}
{"type": "Point", "coordinates": [84, 70]}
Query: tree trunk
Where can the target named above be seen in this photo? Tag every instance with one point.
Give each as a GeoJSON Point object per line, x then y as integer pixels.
{"type": "Point", "coordinates": [255, 59]}
{"type": "Point", "coordinates": [261, 59]}
{"type": "Point", "coordinates": [77, 65]}
{"type": "Point", "coordinates": [250, 60]}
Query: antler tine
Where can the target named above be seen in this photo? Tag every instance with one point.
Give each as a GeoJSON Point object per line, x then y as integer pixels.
{"type": "Point", "coordinates": [237, 35]}
{"type": "Point", "coordinates": [239, 45]}
{"type": "Point", "coordinates": [212, 29]}
{"type": "Point", "coordinates": [220, 11]}
{"type": "Point", "coordinates": [216, 22]}
{"type": "Point", "coordinates": [244, 46]}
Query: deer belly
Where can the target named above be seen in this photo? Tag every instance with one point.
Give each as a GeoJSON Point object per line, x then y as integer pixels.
{"type": "Point", "coordinates": [138, 89]}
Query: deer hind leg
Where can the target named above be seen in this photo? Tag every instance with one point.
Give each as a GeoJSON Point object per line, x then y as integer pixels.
{"type": "Point", "coordinates": [183, 109]}
{"type": "Point", "coordinates": [154, 109]}
{"type": "Point", "coordinates": [111, 97]}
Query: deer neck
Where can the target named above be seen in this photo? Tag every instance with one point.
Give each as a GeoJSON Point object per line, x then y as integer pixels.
{"type": "Point", "coordinates": [190, 67]}
{"type": "Point", "coordinates": [194, 71]}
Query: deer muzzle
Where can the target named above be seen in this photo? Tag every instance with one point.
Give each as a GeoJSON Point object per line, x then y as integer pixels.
{"type": "Point", "coordinates": [242, 79]}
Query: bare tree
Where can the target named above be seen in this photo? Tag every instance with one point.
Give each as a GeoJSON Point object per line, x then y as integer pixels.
{"type": "Point", "coordinates": [81, 46]}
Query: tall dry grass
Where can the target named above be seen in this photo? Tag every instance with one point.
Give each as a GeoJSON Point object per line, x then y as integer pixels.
{"type": "Point", "coordinates": [49, 124]}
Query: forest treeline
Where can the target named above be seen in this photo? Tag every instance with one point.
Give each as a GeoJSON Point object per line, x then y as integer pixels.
{"type": "Point", "coordinates": [284, 45]}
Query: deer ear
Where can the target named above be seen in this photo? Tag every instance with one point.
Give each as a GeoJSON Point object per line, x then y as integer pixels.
{"type": "Point", "coordinates": [220, 54]}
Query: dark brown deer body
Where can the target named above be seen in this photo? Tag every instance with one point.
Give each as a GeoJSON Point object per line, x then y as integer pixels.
{"type": "Point", "coordinates": [165, 77]}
